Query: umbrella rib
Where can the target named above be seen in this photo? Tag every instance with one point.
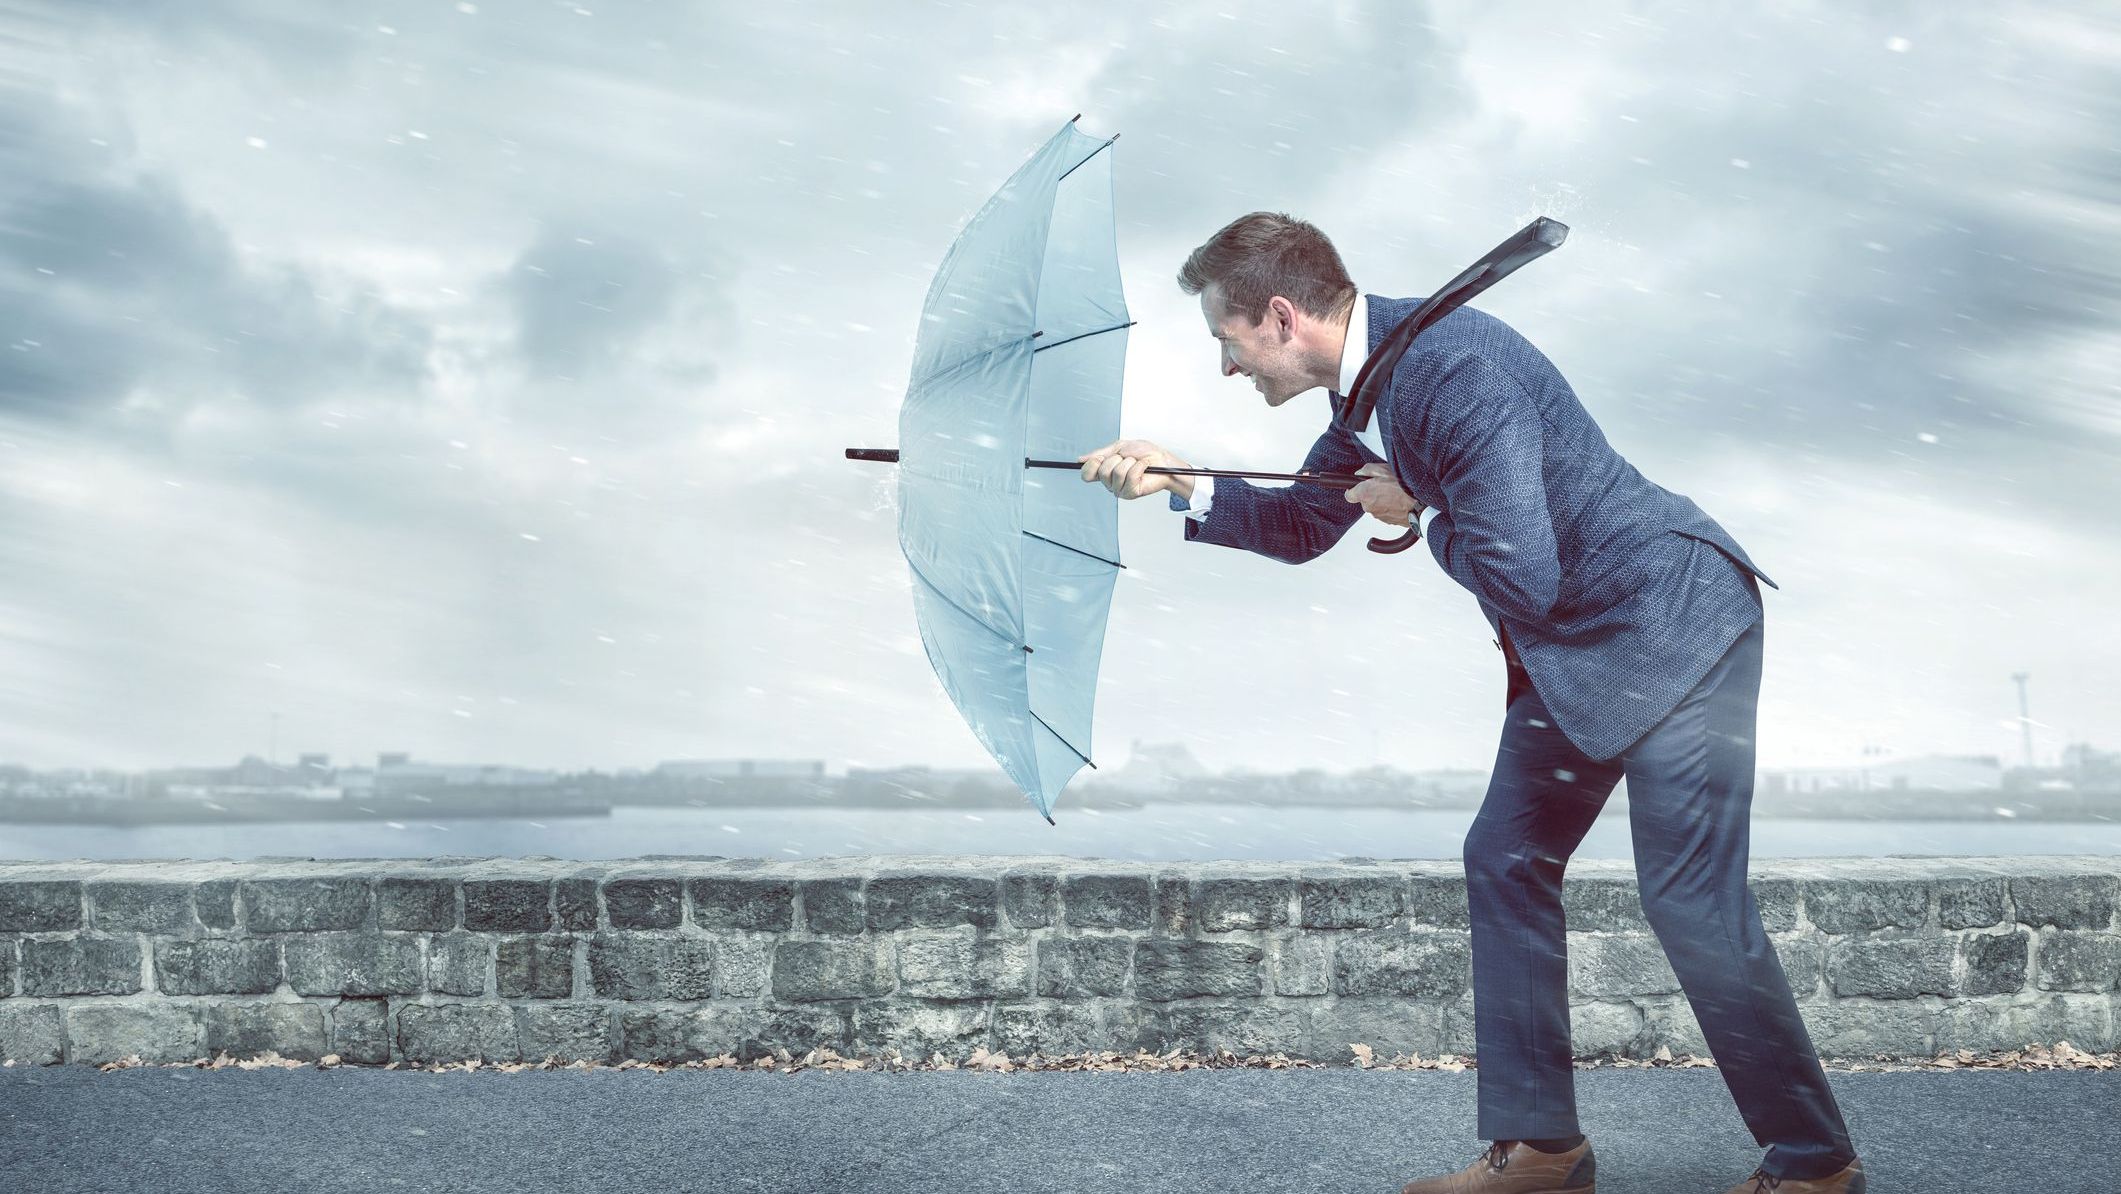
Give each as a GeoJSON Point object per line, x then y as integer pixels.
{"type": "Point", "coordinates": [1072, 339]}
{"type": "Point", "coordinates": [1079, 165]}
{"type": "Point", "coordinates": [1077, 550]}
{"type": "Point", "coordinates": [952, 601]}
{"type": "Point", "coordinates": [1063, 741]}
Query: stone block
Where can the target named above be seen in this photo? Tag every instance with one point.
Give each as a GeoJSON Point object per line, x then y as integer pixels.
{"type": "Point", "coordinates": [1852, 905]}
{"type": "Point", "coordinates": [574, 905]}
{"type": "Point", "coordinates": [1167, 969]}
{"type": "Point", "coordinates": [127, 906]}
{"type": "Point", "coordinates": [2078, 960]}
{"type": "Point", "coordinates": [931, 901]}
{"type": "Point", "coordinates": [1108, 901]}
{"type": "Point", "coordinates": [1858, 1029]}
{"type": "Point", "coordinates": [807, 971]}
{"type": "Point", "coordinates": [451, 1032]}
{"type": "Point", "coordinates": [1221, 905]}
{"type": "Point", "coordinates": [1173, 914]}
{"type": "Point", "coordinates": [1021, 1029]}
{"type": "Point", "coordinates": [247, 1029]}
{"type": "Point", "coordinates": [32, 1033]}
{"type": "Point", "coordinates": [1995, 962]}
{"type": "Point", "coordinates": [539, 967]}
{"type": "Point", "coordinates": [1891, 967]}
{"type": "Point", "coordinates": [304, 905]}
{"type": "Point", "coordinates": [2000, 1023]}
{"type": "Point", "coordinates": [670, 1036]}
{"type": "Point", "coordinates": [218, 966]}
{"type": "Point", "coordinates": [1085, 966]}
{"type": "Point", "coordinates": [359, 1030]}
{"type": "Point", "coordinates": [1427, 963]}
{"type": "Point", "coordinates": [507, 905]}
{"type": "Point", "coordinates": [1607, 1029]}
{"type": "Point", "coordinates": [918, 1028]}
{"type": "Point", "coordinates": [352, 964]}
{"type": "Point", "coordinates": [1802, 957]}
{"type": "Point", "coordinates": [1971, 903]}
{"type": "Point", "coordinates": [1300, 964]}
{"type": "Point", "coordinates": [1391, 1027]}
{"type": "Point", "coordinates": [567, 1032]}
{"type": "Point", "coordinates": [1602, 905]}
{"type": "Point", "coordinates": [1240, 1028]}
{"type": "Point", "coordinates": [214, 903]}
{"type": "Point", "coordinates": [2064, 901]}
{"type": "Point", "coordinates": [82, 965]}
{"type": "Point", "coordinates": [749, 904]}
{"type": "Point", "coordinates": [626, 965]}
{"type": "Point", "coordinates": [644, 903]}
{"type": "Point", "coordinates": [458, 963]}
{"type": "Point", "coordinates": [743, 965]}
{"type": "Point", "coordinates": [419, 904]}
{"type": "Point", "coordinates": [1616, 966]}
{"type": "Point", "coordinates": [832, 905]}
{"type": "Point", "coordinates": [1670, 1022]}
{"type": "Point", "coordinates": [962, 963]}
{"type": "Point", "coordinates": [1031, 899]}
{"type": "Point", "coordinates": [155, 1032]}
{"type": "Point", "coordinates": [1352, 901]}
{"type": "Point", "coordinates": [39, 905]}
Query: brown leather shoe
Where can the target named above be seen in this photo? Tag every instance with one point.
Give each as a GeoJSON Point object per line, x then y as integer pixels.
{"type": "Point", "coordinates": [1847, 1180]}
{"type": "Point", "coordinates": [1514, 1167]}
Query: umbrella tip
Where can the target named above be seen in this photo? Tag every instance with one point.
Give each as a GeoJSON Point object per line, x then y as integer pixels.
{"type": "Point", "coordinates": [1049, 819]}
{"type": "Point", "coordinates": [1074, 118]}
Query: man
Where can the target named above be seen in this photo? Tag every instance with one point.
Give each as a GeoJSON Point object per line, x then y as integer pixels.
{"type": "Point", "coordinates": [1631, 626]}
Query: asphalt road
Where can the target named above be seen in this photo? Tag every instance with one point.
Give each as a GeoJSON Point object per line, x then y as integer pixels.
{"type": "Point", "coordinates": [171, 1130]}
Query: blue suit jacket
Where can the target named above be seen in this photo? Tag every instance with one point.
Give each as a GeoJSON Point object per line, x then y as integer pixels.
{"type": "Point", "coordinates": [1617, 593]}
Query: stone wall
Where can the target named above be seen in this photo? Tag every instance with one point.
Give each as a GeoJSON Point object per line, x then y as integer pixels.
{"type": "Point", "coordinates": [670, 959]}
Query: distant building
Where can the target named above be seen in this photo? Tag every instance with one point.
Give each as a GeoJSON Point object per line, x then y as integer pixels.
{"type": "Point", "coordinates": [725, 768]}
{"type": "Point", "coordinates": [1955, 773]}
{"type": "Point", "coordinates": [408, 776]}
{"type": "Point", "coordinates": [1155, 767]}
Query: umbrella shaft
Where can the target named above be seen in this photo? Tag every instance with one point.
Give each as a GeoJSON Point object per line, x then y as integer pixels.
{"type": "Point", "coordinates": [1329, 480]}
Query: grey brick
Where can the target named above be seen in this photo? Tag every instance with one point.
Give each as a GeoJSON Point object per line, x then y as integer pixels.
{"type": "Point", "coordinates": [1600, 1028]}
{"type": "Point", "coordinates": [832, 905]}
{"type": "Point", "coordinates": [1300, 964]}
{"type": "Point", "coordinates": [1432, 963]}
{"type": "Point", "coordinates": [1391, 1027]}
{"type": "Point", "coordinates": [2076, 960]}
{"type": "Point", "coordinates": [360, 1031]}
{"type": "Point", "coordinates": [1083, 966]}
{"type": "Point", "coordinates": [1803, 961]}
{"type": "Point", "coordinates": [534, 968]}
{"type": "Point", "coordinates": [1353, 902]}
{"type": "Point", "coordinates": [1174, 906]}
{"type": "Point", "coordinates": [1971, 903]}
{"type": "Point", "coordinates": [352, 964]}
{"type": "Point", "coordinates": [247, 1029]}
{"type": "Point", "coordinates": [423, 904]}
{"type": "Point", "coordinates": [2065, 901]}
{"type": "Point", "coordinates": [931, 901]}
{"type": "Point", "coordinates": [1859, 1029]}
{"type": "Point", "coordinates": [507, 905]}
{"type": "Point", "coordinates": [304, 905]}
{"type": "Point", "coordinates": [743, 965]}
{"type": "Point", "coordinates": [1166, 969]}
{"type": "Point", "coordinates": [804, 971]}
{"type": "Point", "coordinates": [747, 904]}
{"type": "Point", "coordinates": [457, 963]}
{"type": "Point", "coordinates": [574, 905]}
{"type": "Point", "coordinates": [1595, 905]}
{"type": "Point", "coordinates": [1240, 1028]}
{"type": "Point", "coordinates": [1995, 962]}
{"type": "Point", "coordinates": [666, 1035]}
{"type": "Point", "coordinates": [963, 964]}
{"type": "Point", "coordinates": [1630, 964]}
{"type": "Point", "coordinates": [2085, 1021]}
{"type": "Point", "coordinates": [1108, 901]}
{"type": "Point", "coordinates": [1891, 967]}
{"type": "Point", "coordinates": [1021, 1029]}
{"type": "Point", "coordinates": [32, 1034]}
{"type": "Point", "coordinates": [218, 966]}
{"type": "Point", "coordinates": [140, 907]}
{"type": "Point", "coordinates": [39, 905]}
{"type": "Point", "coordinates": [214, 902]}
{"type": "Point", "coordinates": [1856, 905]}
{"type": "Point", "coordinates": [1225, 904]}
{"type": "Point", "coordinates": [10, 955]}
{"type": "Point", "coordinates": [1031, 899]}
{"type": "Point", "coordinates": [81, 966]}
{"type": "Point", "coordinates": [918, 1028]}
{"type": "Point", "coordinates": [1777, 901]}
{"type": "Point", "coordinates": [625, 965]}
{"type": "Point", "coordinates": [99, 1033]}
{"type": "Point", "coordinates": [457, 1032]}
{"type": "Point", "coordinates": [567, 1032]}
{"type": "Point", "coordinates": [644, 903]}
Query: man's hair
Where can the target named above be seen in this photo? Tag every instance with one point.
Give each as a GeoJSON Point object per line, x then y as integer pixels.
{"type": "Point", "coordinates": [1257, 256]}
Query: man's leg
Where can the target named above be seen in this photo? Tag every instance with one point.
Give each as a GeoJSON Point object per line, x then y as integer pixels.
{"type": "Point", "coordinates": [1690, 798]}
{"type": "Point", "coordinates": [1541, 800]}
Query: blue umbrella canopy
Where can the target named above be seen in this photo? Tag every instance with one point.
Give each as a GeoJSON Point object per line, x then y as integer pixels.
{"type": "Point", "coordinates": [1020, 353]}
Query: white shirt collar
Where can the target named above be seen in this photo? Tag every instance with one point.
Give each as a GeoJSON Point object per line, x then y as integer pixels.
{"type": "Point", "coordinates": [1356, 348]}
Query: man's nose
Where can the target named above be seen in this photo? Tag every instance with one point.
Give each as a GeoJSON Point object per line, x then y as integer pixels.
{"type": "Point", "coordinates": [1229, 368]}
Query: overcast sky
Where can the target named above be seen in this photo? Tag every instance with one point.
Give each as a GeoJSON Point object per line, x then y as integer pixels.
{"type": "Point", "coordinates": [473, 379]}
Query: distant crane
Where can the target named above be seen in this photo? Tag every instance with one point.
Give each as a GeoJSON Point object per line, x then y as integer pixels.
{"type": "Point", "coordinates": [2025, 716]}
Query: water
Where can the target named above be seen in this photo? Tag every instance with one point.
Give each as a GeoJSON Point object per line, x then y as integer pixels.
{"type": "Point", "coordinates": [1169, 832]}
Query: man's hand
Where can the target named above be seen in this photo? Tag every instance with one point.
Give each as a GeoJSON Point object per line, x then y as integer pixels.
{"type": "Point", "coordinates": [1123, 467]}
{"type": "Point", "coordinates": [1382, 498]}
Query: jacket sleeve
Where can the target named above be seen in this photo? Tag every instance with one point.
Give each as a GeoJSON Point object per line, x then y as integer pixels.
{"type": "Point", "coordinates": [1291, 523]}
{"type": "Point", "coordinates": [1494, 535]}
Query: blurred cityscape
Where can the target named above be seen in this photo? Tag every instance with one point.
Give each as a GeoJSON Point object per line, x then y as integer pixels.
{"type": "Point", "coordinates": [2085, 786]}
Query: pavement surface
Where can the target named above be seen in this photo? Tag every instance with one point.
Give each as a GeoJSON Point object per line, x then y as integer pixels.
{"type": "Point", "coordinates": [1657, 1131]}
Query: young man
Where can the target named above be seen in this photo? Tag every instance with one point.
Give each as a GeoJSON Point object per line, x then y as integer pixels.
{"type": "Point", "coordinates": [1631, 625]}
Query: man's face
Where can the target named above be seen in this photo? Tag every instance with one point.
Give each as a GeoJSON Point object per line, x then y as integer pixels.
{"type": "Point", "coordinates": [1265, 352]}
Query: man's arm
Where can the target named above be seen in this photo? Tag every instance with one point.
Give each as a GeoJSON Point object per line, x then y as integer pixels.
{"type": "Point", "coordinates": [1494, 535]}
{"type": "Point", "coordinates": [1291, 524]}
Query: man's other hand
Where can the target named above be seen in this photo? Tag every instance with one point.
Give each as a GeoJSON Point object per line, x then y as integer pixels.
{"type": "Point", "coordinates": [1382, 498]}
{"type": "Point", "coordinates": [1122, 466]}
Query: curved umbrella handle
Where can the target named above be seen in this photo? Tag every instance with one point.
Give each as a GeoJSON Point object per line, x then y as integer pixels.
{"type": "Point", "coordinates": [1394, 546]}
